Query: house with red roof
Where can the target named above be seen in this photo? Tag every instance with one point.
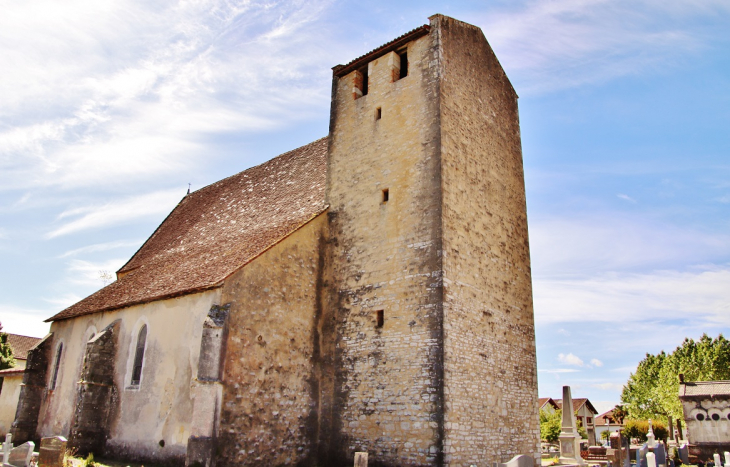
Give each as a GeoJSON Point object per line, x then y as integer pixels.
{"type": "Point", "coordinates": [11, 378]}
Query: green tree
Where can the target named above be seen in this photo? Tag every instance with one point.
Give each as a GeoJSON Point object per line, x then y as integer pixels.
{"type": "Point", "coordinates": [6, 352]}
{"type": "Point", "coordinates": [550, 425]}
{"type": "Point", "coordinates": [640, 428]}
{"type": "Point", "coordinates": [651, 392]}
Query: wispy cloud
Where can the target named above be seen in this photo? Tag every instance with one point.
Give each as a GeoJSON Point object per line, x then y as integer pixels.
{"type": "Point", "coordinates": [24, 321]}
{"type": "Point", "coordinates": [89, 273]}
{"type": "Point", "coordinates": [596, 362]}
{"type": "Point", "coordinates": [558, 44]}
{"type": "Point", "coordinates": [145, 86]}
{"type": "Point", "coordinates": [626, 198]}
{"type": "Point", "coordinates": [97, 247]}
{"type": "Point", "coordinates": [570, 359]}
{"type": "Point", "coordinates": [700, 296]}
{"type": "Point", "coordinates": [609, 386]}
{"type": "Point", "coordinates": [557, 370]}
{"type": "Point", "coordinates": [117, 212]}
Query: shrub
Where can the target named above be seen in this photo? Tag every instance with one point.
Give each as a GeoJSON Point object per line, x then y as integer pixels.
{"type": "Point", "coordinates": [639, 428]}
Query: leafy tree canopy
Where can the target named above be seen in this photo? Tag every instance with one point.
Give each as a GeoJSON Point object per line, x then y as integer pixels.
{"type": "Point", "coordinates": [6, 352]}
{"type": "Point", "coordinates": [651, 392]}
{"type": "Point", "coordinates": [550, 425]}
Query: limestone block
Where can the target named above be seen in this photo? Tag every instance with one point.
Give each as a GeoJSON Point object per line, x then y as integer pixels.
{"type": "Point", "coordinates": [52, 451]}
{"type": "Point", "coordinates": [20, 456]}
{"type": "Point", "coordinates": [205, 408]}
{"type": "Point", "coordinates": [361, 459]}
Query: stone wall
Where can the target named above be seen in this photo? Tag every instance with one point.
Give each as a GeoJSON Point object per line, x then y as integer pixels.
{"type": "Point", "coordinates": [385, 255]}
{"type": "Point", "coordinates": [33, 391]}
{"type": "Point", "coordinates": [9, 396]}
{"type": "Point", "coordinates": [489, 339]}
{"type": "Point", "coordinates": [270, 389]}
{"type": "Point", "coordinates": [153, 420]}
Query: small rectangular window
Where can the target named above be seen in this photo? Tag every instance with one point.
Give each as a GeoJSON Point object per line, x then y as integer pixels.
{"type": "Point", "coordinates": [378, 113]}
{"type": "Point", "coordinates": [403, 63]}
{"type": "Point", "coordinates": [379, 318]}
{"type": "Point", "coordinates": [386, 195]}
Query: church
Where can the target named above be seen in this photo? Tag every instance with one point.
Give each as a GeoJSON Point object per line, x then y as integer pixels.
{"type": "Point", "coordinates": [368, 292]}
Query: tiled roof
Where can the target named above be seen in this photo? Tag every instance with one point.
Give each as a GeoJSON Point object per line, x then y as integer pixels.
{"type": "Point", "coordinates": [11, 372]}
{"type": "Point", "coordinates": [541, 402]}
{"type": "Point", "coordinates": [218, 229]}
{"type": "Point", "coordinates": [21, 345]}
{"type": "Point", "coordinates": [601, 419]}
{"type": "Point", "coordinates": [577, 404]}
{"type": "Point", "coordinates": [398, 42]}
{"type": "Point", "coordinates": [705, 389]}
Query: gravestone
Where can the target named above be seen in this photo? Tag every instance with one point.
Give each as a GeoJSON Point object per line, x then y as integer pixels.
{"type": "Point", "coordinates": [52, 451]}
{"type": "Point", "coordinates": [650, 459]}
{"type": "Point", "coordinates": [7, 447]}
{"type": "Point", "coordinates": [716, 458]}
{"type": "Point", "coordinates": [20, 456]}
{"type": "Point", "coordinates": [641, 456]}
{"type": "Point", "coordinates": [684, 454]}
{"type": "Point", "coordinates": [520, 460]}
{"type": "Point", "coordinates": [569, 437]}
{"type": "Point", "coordinates": [661, 455]}
{"type": "Point", "coordinates": [727, 458]}
{"type": "Point", "coordinates": [361, 459]}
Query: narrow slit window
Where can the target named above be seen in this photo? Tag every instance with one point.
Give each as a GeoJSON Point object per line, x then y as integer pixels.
{"type": "Point", "coordinates": [364, 73]}
{"type": "Point", "coordinates": [56, 366]}
{"type": "Point", "coordinates": [139, 356]}
{"type": "Point", "coordinates": [386, 195]}
{"type": "Point", "coordinates": [378, 113]}
{"type": "Point", "coordinates": [379, 318]}
{"type": "Point", "coordinates": [403, 64]}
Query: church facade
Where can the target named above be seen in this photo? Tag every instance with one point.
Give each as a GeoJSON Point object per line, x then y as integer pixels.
{"type": "Point", "coordinates": [370, 291]}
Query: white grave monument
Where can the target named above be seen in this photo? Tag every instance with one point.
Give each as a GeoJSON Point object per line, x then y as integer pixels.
{"type": "Point", "coordinates": [569, 437]}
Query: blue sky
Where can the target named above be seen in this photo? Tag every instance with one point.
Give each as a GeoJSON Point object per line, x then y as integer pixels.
{"type": "Point", "coordinates": [108, 109]}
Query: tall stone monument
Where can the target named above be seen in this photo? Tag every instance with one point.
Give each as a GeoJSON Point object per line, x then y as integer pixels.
{"type": "Point", "coordinates": [569, 437]}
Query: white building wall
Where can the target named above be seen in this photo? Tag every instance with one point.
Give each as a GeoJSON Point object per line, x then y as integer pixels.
{"type": "Point", "coordinates": [160, 408]}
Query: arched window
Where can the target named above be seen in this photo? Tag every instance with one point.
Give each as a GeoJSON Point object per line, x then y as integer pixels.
{"type": "Point", "coordinates": [57, 366]}
{"type": "Point", "coordinates": [139, 356]}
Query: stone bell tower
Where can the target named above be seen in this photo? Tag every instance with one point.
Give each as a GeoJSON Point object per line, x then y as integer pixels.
{"type": "Point", "coordinates": [429, 280]}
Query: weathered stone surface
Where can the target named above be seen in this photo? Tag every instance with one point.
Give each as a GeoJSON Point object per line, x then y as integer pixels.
{"type": "Point", "coordinates": [201, 451]}
{"type": "Point", "coordinates": [269, 406]}
{"type": "Point", "coordinates": [20, 455]}
{"type": "Point", "coordinates": [32, 391]}
{"type": "Point", "coordinates": [213, 342]}
{"type": "Point", "coordinates": [52, 451]}
{"type": "Point", "coordinates": [97, 397]}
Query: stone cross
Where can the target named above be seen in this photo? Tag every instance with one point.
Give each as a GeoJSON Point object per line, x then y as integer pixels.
{"type": "Point", "coordinates": [52, 451]}
{"type": "Point", "coordinates": [7, 446]}
{"type": "Point", "coordinates": [650, 459]}
{"type": "Point", "coordinates": [569, 437]}
{"type": "Point", "coordinates": [361, 459]}
{"type": "Point", "coordinates": [650, 438]}
{"type": "Point", "coordinates": [716, 458]}
{"type": "Point", "coordinates": [20, 456]}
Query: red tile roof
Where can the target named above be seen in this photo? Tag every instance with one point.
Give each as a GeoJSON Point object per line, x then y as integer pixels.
{"type": "Point", "coordinates": [21, 345]}
{"type": "Point", "coordinates": [218, 229]}
{"type": "Point", "coordinates": [601, 419]}
{"type": "Point", "coordinates": [541, 402]}
{"type": "Point", "coordinates": [11, 372]}
{"type": "Point", "coordinates": [577, 404]}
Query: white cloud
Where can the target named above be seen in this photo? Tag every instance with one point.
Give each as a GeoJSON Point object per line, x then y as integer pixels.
{"type": "Point", "coordinates": [89, 273]}
{"type": "Point", "coordinates": [24, 321]}
{"type": "Point", "coordinates": [97, 247]}
{"type": "Point", "coordinates": [570, 359]}
{"type": "Point", "coordinates": [700, 296]}
{"type": "Point", "coordinates": [609, 386]}
{"type": "Point", "coordinates": [117, 212]}
{"type": "Point", "coordinates": [596, 362]}
{"type": "Point", "coordinates": [564, 43]}
{"type": "Point", "coordinates": [583, 245]}
{"type": "Point", "coordinates": [626, 198]}
{"type": "Point", "coordinates": [130, 90]}
{"type": "Point", "coordinates": [557, 370]}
